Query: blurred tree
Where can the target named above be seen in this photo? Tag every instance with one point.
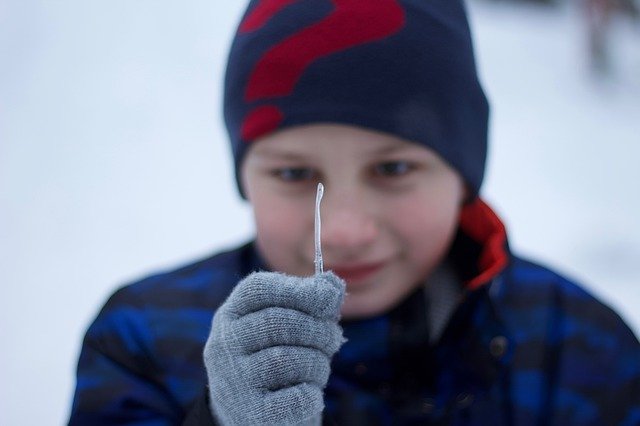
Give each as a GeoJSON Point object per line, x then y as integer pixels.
{"type": "Point", "coordinates": [599, 15]}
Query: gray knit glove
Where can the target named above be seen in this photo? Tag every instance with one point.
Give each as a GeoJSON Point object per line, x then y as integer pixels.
{"type": "Point", "coordinates": [269, 352]}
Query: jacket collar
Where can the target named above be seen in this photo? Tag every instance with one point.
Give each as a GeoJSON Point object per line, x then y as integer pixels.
{"type": "Point", "coordinates": [479, 224]}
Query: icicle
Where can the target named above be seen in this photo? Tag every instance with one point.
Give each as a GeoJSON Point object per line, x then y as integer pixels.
{"type": "Point", "coordinates": [318, 225]}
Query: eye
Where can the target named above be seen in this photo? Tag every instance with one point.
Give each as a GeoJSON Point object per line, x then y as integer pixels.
{"type": "Point", "coordinates": [294, 174]}
{"type": "Point", "coordinates": [392, 168]}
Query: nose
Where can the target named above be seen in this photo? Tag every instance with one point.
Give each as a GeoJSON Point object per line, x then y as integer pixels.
{"type": "Point", "coordinates": [348, 222]}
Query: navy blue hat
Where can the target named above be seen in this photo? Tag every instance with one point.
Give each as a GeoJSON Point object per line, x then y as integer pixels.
{"type": "Point", "coordinates": [404, 67]}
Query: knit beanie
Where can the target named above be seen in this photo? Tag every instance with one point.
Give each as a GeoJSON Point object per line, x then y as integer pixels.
{"type": "Point", "coordinates": [404, 67]}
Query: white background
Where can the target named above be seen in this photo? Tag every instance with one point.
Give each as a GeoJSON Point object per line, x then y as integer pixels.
{"type": "Point", "coordinates": [114, 162]}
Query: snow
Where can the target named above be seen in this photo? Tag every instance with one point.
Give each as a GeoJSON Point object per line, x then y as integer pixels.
{"type": "Point", "coordinates": [113, 162]}
{"type": "Point", "coordinates": [563, 167]}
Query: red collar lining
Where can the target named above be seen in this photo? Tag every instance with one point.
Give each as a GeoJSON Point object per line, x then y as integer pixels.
{"type": "Point", "coordinates": [482, 225]}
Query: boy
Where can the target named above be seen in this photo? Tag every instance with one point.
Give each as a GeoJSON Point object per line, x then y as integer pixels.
{"type": "Point", "coordinates": [440, 322]}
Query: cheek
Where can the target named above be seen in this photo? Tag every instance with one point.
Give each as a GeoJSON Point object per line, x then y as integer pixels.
{"type": "Point", "coordinates": [273, 222]}
{"type": "Point", "coordinates": [281, 235]}
{"type": "Point", "coordinates": [427, 225]}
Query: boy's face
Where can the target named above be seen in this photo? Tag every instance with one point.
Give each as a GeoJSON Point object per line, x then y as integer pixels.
{"type": "Point", "coordinates": [389, 212]}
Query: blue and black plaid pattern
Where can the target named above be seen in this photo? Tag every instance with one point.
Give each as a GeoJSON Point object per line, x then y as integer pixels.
{"type": "Point", "coordinates": [528, 348]}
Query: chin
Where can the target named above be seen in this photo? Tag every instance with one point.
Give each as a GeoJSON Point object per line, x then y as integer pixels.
{"type": "Point", "coordinates": [361, 306]}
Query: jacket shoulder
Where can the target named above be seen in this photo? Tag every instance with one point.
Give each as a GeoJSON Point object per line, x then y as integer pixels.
{"type": "Point", "coordinates": [204, 283]}
{"type": "Point", "coordinates": [145, 344]}
{"type": "Point", "coordinates": [167, 306]}
{"type": "Point", "coordinates": [571, 352]}
{"type": "Point", "coordinates": [532, 288]}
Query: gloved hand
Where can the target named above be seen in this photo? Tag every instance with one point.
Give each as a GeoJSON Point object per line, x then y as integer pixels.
{"type": "Point", "coordinates": [269, 352]}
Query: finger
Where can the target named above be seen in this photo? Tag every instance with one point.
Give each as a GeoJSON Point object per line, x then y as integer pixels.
{"type": "Point", "coordinates": [286, 366]}
{"type": "Point", "coordinates": [320, 296]}
{"type": "Point", "coordinates": [293, 405]}
{"type": "Point", "coordinates": [285, 327]}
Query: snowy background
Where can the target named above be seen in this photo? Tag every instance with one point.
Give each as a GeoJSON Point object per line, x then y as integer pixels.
{"type": "Point", "coordinates": [113, 162]}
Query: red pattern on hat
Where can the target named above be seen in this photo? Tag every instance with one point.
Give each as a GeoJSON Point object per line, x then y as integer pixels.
{"type": "Point", "coordinates": [351, 23]}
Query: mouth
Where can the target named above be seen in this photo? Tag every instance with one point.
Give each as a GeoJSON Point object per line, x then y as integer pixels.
{"type": "Point", "coordinates": [357, 272]}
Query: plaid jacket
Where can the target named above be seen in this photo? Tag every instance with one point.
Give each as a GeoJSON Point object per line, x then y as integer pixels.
{"type": "Point", "coordinates": [524, 346]}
